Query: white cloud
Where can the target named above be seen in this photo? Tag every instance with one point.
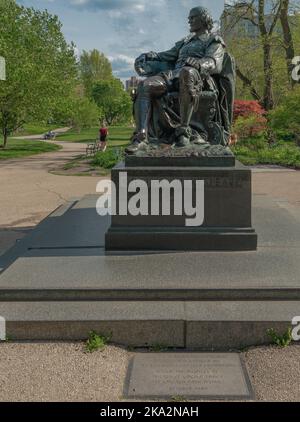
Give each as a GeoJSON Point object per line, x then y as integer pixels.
{"type": "Point", "coordinates": [123, 29]}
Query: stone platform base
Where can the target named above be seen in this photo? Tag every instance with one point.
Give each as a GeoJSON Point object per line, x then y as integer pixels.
{"type": "Point", "coordinates": [58, 283]}
{"type": "Point", "coordinates": [179, 239]}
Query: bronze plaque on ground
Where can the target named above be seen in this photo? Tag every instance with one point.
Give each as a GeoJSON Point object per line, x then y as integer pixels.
{"type": "Point", "coordinates": [213, 376]}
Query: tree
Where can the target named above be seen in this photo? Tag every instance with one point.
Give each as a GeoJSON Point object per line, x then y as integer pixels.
{"type": "Point", "coordinates": [41, 65]}
{"type": "Point", "coordinates": [93, 67]}
{"type": "Point", "coordinates": [113, 100]}
{"type": "Point", "coordinates": [85, 113]}
{"type": "Point", "coordinates": [270, 47]}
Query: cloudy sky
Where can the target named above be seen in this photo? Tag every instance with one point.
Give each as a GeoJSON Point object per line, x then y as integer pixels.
{"type": "Point", "coordinates": [123, 29]}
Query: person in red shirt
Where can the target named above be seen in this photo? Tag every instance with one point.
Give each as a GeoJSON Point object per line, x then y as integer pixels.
{"type": "Point", "coordinates": [103, 133]}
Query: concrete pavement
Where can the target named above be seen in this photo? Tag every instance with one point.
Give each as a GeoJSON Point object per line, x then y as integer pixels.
{"type": "Point", "coordinates": [281, 183]}
{"type": "Point", "coordinates": [29, 192]}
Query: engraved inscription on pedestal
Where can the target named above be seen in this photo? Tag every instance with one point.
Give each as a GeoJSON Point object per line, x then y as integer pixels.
{"type": "Point", "coordinates": [189, 375]}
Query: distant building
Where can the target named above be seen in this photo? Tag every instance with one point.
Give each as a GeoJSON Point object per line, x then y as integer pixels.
{"type": "Point", "coordinates": [132, 83]}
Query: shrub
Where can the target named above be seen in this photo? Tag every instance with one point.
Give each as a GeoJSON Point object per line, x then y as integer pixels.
{"type": "Point", "coordinates": [247, 127]}
{"type": "Point", "coordinates": [254, 144]}
{"type": "Point", "coordinates": [251, 152]}
{"type": "Point", "coordinates": [285, 119]}
{"type": "Point", "coordinates": [108, 159]}
{"type": "Point", "coordinates": [244, 108]}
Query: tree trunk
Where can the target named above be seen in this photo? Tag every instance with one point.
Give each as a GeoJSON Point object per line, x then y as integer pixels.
{"type": "Point", "coordinates": [268, 74]}
{"type": "Point", "coordinates": [267, 52]}
{"type": "Point", "coordinates": [5, 137]}
{"type": "Point", "coordinates": [246, 81]}
{"type": "Point", "coordinates": [288, 39]}
{"type": "Point", "coordinates": [5, 140]}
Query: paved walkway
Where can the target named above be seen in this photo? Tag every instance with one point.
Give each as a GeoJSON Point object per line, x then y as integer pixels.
{"type": "Point", "coordinates": [28, 192]}
{"type": "Point", "coordinates": [41, 136]}
{"type": "Point", "coordinates": [281, 183]}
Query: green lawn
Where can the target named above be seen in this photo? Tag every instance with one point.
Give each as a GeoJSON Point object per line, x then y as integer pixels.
{"type": "Point", "coordinates": [19, 148]}
{"type": "Point", "coordinates": [256, 151]}
{"type": "Point", "coordinates": [34, 129]}
{"type": "Point", "coordinates": [118, 135]}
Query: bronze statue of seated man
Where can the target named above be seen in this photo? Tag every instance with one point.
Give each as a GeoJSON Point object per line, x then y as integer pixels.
{"type": "Point", "coordinates": [188, 94]}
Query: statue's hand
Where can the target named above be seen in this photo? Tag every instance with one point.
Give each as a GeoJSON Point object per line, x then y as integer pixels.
{"type": "Point", "coordinates": [151, 56]}
{"type": "Point", "coordinates": [193, 62]}
{"type": "Point", "coordinates": [147, 57]}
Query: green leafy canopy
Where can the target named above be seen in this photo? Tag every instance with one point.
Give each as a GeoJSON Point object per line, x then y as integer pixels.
{"type": "Point", "coordinates": [41, 65]}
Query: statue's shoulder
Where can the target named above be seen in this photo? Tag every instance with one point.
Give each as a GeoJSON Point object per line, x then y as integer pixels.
{"type": "Point", "coordinates": [183, 41]}
{"type": "Point", "coordinates": [215, 38]}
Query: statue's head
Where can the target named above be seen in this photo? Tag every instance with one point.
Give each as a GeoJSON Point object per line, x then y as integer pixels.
{"type": "Point", "coordinates": [200, 20]}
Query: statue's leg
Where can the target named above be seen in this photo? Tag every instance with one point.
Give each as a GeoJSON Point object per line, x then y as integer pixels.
{"type": "Point", "coordinates": [153, 87]}
{"type": "Point", "coordinates": [190, 86]}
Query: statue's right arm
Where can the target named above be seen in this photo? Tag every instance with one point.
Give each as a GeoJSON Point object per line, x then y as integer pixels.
{"type": "Point", "coordinates": [169, 55]}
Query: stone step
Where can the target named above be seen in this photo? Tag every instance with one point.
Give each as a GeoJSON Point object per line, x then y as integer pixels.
{"type": "Point", "coordinates": [148, 295]}
{"type": "Point", "coordinates": [88, 274]}
{"type": "Point", "coordinates": [194, 325]}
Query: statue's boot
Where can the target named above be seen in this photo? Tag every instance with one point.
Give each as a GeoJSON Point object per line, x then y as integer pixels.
{"type": "Point", "coordinates": [139, 141]}
{"type": "Point", "coordinates": [199, 140]}
{"type": "Point", "coordinates": [183, 135]}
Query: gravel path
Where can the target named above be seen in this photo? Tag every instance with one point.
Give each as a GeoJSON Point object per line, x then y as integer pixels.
{"type": "Point", "coordinates": [60, 372]}
{"type": "Point", "coordinates": [275, 373]}
{"type": "Point", "coordinates": [64, 372]}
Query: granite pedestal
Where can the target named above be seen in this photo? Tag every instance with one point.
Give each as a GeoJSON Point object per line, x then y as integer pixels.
{"type": "Point", "coordinates": [227, 207]}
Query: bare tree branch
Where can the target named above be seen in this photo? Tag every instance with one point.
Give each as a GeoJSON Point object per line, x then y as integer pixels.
{"type": "Point", "coordinates": [249, 84]}
{"type": "Point", "coordinates": [276, 17]}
